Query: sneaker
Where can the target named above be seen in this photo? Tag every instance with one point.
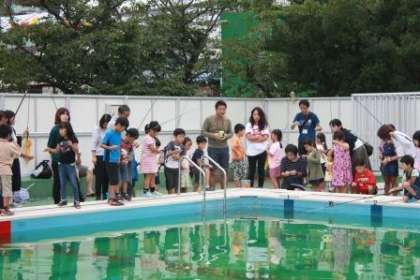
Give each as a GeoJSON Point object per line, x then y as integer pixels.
{"type": "Point", "coordinates": [126, 197]}
{"type": "Point", "coordinates": [62, 203]}
{"type": "Point", "coordinates": [148, 194]}
{"type": "Point", "coordinates": [155, 193]}
{"type": "Point", "coordinates": [7, 212]}
{"type": "Point", "coordinates": [77, 204]}
{"type": "Point", "coordinates": [119, 196]}
{"type": "Point", "coordinates": [115, 202]}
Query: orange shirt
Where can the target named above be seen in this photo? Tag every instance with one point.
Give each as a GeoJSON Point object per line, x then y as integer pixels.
{"type": "Point", "coordinates": [238, 151]}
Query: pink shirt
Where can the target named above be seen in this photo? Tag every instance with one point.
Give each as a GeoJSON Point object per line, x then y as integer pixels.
{"type": "Point", "coordinates": [148, 163]}
{"type": "Point", "coordinates": [275, 155]}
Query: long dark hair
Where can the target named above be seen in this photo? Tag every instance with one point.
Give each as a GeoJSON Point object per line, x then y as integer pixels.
{"type": "Point", "coordinates": [59, 112]}
{"type": "Point", "coordinates": [322, 138]}
{"type": "Point", "coordinates": [8, 114]}
{"type": "Point", "coordinates": [69, 131]}
{"type": "Point", "coordinates": [106, 118]}
{"type": "Point", "coordinates": [262, 123]}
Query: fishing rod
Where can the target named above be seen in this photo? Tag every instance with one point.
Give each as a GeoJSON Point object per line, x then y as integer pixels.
{"type": "Point", "coordinates": [21, 102]}
{"type": "Point", "coordinates": [147, 113]}
{"type": "Point", "coordinates": [369, 112]}
{"type": "Point", "coordinates": [331, 204]}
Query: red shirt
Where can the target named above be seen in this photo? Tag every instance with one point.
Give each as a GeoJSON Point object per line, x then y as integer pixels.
{"type": "Point", "coordinates": [364, 186]}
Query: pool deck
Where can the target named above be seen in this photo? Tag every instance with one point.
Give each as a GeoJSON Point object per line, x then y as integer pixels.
{"type": "Point", "coordinates": [142, 202]}
{"type": "Point", "coordinates": [33, 223]}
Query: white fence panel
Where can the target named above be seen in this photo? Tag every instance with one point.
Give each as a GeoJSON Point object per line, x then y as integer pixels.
{"type": "Point", "coordinates": [185, 112]}
{"type": "Point", "coordinates": [370, 111]}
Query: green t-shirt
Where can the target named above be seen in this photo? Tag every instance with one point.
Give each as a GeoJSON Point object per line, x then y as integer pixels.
{"type": "Point", "coordinates": [53, 140]}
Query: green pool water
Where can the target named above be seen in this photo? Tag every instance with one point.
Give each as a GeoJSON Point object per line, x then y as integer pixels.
{"type": "Point", "coordinates": [232, 249]}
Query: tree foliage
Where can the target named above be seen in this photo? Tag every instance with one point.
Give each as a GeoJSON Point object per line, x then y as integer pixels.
{"type": "Point", "coordinates": [114, 46]}
{"type": "Point", "coordinates": [330, 48]}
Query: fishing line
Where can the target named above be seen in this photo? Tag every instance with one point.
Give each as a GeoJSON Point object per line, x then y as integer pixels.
{"type": "Point", "coordinates": [147, 113]}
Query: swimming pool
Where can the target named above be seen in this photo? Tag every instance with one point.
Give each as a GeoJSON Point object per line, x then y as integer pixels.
{"type": "Point", "coordinates": [267, 234]}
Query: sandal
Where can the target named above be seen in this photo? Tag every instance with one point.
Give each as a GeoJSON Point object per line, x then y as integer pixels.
{"type": "Point", "coordinates": [6, 212]}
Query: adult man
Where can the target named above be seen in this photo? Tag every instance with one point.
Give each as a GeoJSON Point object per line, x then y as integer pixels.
{"type": "Point", "coordinates": [123, 112]}
{"type": "Point", "coordinates": [218, 129]}
{"type": "Point", "coordinates": [307, 123]}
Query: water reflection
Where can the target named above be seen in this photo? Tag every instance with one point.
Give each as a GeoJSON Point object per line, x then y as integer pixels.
{"type": "Point", "coordinates": [239, 249]}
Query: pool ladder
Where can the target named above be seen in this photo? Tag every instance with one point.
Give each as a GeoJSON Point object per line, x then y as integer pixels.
{"type": "Point", "coordinates": [203, 173]}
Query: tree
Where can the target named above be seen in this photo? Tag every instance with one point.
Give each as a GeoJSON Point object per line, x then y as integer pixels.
{"type": "Point", "coordinates": [115, 47]}
{"type": "Point", "coordinates": [330, 48]}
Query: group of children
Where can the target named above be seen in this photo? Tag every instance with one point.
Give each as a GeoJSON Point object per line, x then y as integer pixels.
{"type": "Point", "coordinates": [322, 168]}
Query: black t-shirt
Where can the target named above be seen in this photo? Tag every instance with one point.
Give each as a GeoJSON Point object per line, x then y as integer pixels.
{"type": "Point", "coordinates": [198, 156]}
{"type": "Point", "coordinates": [65, 151]}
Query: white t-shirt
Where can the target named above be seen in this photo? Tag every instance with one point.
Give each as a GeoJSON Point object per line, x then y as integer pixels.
{"type": "Point", "coordinates": [256, 148]}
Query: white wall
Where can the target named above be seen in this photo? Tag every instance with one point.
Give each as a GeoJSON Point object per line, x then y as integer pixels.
{"type": "Point", "coordinates": [185, 112]}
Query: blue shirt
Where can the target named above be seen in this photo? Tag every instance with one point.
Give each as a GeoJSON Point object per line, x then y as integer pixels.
{"type": "Point", "coordinates": [306, 128]}
{"type": "Point", "coordinates": [112, 138]}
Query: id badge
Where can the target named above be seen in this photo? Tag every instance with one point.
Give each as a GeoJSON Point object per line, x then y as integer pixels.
{"type": "Point", "coordinates": [304, 131]}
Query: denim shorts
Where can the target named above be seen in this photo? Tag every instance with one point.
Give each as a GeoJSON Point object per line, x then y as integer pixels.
{"type": "Point", "coordinates": [220, 155]}
{"type": "Point", "coordinates": [125, 172]}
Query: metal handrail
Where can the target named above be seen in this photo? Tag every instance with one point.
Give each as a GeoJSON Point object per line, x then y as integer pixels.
{"type": "Point", "coordinates": [202, 173]}
{"type": "Point", "coordinates": [225, 181]}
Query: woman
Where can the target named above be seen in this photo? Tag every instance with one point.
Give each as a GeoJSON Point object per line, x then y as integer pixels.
{"type": "Point", "coordinates": [358, 150]}
{"type": "Point", "coordinates": [101, 181]}
{"type": "Point", "coordinates": [257, 134]}
{"type": "Point", "coordinates": [62, 115]}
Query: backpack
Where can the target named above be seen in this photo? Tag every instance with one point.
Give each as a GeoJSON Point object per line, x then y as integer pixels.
{"type": "Point", "coordinates": [42, 170]}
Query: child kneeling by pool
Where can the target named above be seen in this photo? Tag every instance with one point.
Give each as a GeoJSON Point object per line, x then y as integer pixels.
{"type": "Point", "coordinates": [364, 180]}
{"type": "Point", "coordinates": [411, 180]}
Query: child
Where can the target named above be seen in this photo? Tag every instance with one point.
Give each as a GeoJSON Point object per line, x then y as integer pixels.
{"type": "Point", "coordinates": [112, 145]}
{"type": "Point", "coordinates": [200, 159]}
{"type": "Point", "coordinates": [315, 173]}
{"type": "Point", "coordinates": [9, 151]}
{"type": "Point", "coordinates": [292, 169]}
{"type": "Point", "coordinates": [127, 156]}
{"type": "Point", "coordinates": [149, 166]}
{"type": "Point", "coordinates": [389, 160]}
{"type": "Point", "coordinates": [342, 169]}
{"type": "Point", "coordinates": [328, 170]}
{"type": "Point", "coordinates": [69, 156]}
{"type": "Point", "coordinates": [239, 159]}
{"type": "Point", "coordinates": [173, 153]}
{"type": "Point", "coordinates": [416, 140]}
{"type": "Point", "coordinates": [411, 180]}
{"type": "Point", "coordinates": [364, 181]}
{"type": "Point", "coordinates": [321, 146]}
{"type": "Point", "coordinates": [185, 168]}
{"type": "Point", "coordinates": [275, 154]}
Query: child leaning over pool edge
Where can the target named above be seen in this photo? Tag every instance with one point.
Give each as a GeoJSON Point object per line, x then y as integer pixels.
{"type": "Point", "coordinates": [411, 180]}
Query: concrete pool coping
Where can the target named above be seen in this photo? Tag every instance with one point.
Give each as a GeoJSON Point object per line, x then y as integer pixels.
{"type": "Point", "coordinates": [165, 200]}
{"type": "Point", "coordinates": [30, 224]}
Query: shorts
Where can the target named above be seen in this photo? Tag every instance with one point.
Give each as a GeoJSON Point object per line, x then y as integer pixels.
{"type": "Point", "coordinates": [240, 169]}
{"type": "Point", "coordinates": [125, 172]}
{"type": "Point", "coordinates": [275, 172]}
{"type": "Point", "coordinates": [195, 175]}
{"type": "Point", "coordinates": [113, 172]}
{"type": "Point", "coordinates": [316, 182]}
{"type": "Point", "coordinates": [172, 175]}
{"type": "Point", "coordinates": [364, 189]}
{"type": "Point", "coordinates": [6, 185]}
{"type": "Point", "coordinates": [409, 195]}
{"type": "Point", "coordinates": [220, 155]}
